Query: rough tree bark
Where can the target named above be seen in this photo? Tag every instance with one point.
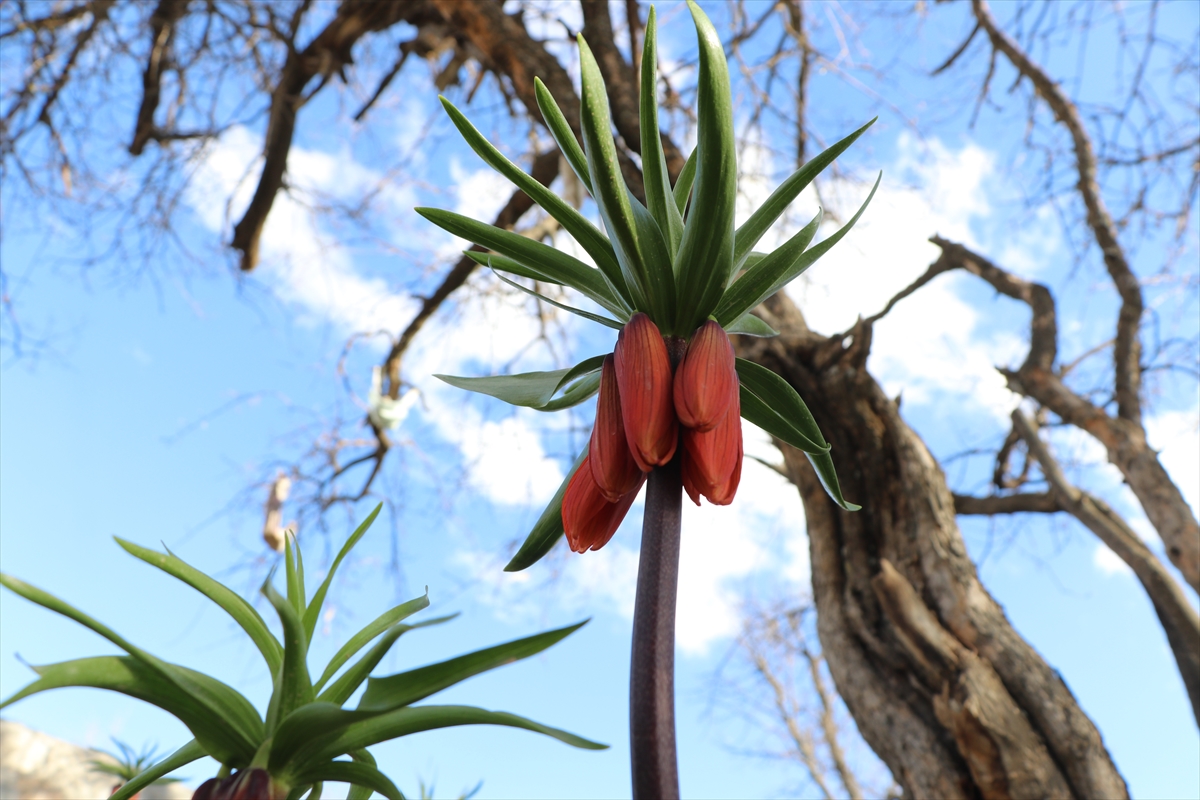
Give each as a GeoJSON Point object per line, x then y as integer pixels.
{"type": "Point", "coordinates": [941, 685]}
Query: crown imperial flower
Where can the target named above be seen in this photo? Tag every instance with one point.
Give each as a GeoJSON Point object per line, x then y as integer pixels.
{"type": "Point", "coordinates": [612, 464]}
{"type": "Point", "coordinates": [644, 379]}
{"type": "Point", "coordinates": [712, 460]}
{"type": "Point", "coordinates": [246, 784]}
{"type": "Point", "coordinates": [589, 519]}
{"type": "Point", "coordinates": [706, 381]}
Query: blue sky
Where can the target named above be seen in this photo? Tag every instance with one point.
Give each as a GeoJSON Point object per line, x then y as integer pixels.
{"type": "Point", "coordinates": [162, 399]}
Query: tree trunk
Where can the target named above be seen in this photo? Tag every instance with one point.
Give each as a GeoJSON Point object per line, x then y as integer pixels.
{"type": "Point", "coordinates": [942, 687]}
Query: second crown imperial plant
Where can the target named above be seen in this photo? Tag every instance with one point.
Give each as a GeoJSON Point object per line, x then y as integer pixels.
{"type": "Point", "coordinates": [675, 277]}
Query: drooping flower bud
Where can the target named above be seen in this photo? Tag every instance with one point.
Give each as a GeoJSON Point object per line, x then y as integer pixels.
{"type": "Point", "coordinates": [712, 460]}
{"type": "Point", "coordinates": [589, 520]}
{"type": "Point", "coordinates": [706, 380]}
{"type": "Point", "coordinates": [645, 381]}
{"type": "Point", "coordinates": [613, 468]}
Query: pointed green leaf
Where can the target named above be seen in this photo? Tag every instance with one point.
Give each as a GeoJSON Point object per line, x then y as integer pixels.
{"type": "Point", "coordinates": [636, 239]}
{"type": "Point", "coordinates": [783, 401]}
{"type": "Point", "coordinates": [823, 464]}
{"type": "Point", "coordinates": [564, 137]}
{"type": "Point", "coordinates": [765, 273]}
{"type": "Point", "coordinates": [360, 640]}
{"type": "Point", "coordinates": [313, 612]}
{"type": "Point", "coordinates": [361, 792]}
{"type": "Point", "coordinates": [767, 277]}
{"type": "Point", "coordinates": [706, 252]}
{"type": "Point", "coordinates": [406, 688]}
{"type": "Point", "coordinates": [192, 751]}
{"type": "Point", "coordinates": [659, 200]}
{"type": "Point", "coordinates": [766, 214]}
{"type": "Point", "coordinates": [352, 773]}
{"type": "Point", "coordinates": [545, 259]}
{"type": "Point", "coordinates": [126, 675]}
{"type": "Point", "coordinates": [575, 393]}
{"type": "Point", "coordinates": [295, 577]}
{"type": "Point", "coordinates": [497, 261]}
{"type": "Point", "coordinates": [293, 686]}
{"type": "Point", "coordinates": [749, 325]}
{"type": "Point", "coordinates": [549, 527]}
{"type": "Point", "coordinates": [232, 603]}
{"type": "Point", "coordinates": [757, 411]}
{"type": "Point", "coordinates": [610, 323]}
{"type": "Point", "coordinates": [683, 184]}
{"type": "Point", "coordinates": [228, 710]}
{"type": "Point", "coordinates": [528, 389]}
{"type": "Point", "coordinates": [594, 243]}
{"type": "Point", "coordinates": [340, 690]}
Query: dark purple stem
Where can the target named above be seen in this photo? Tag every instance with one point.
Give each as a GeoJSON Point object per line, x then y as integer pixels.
{"type": "Point", "coordinates": [652, 668]}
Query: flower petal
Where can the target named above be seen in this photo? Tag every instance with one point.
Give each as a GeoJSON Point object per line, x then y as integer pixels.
{"type": "Point", "coordinates": [706, 382]}
{"type": "Point", "coordinates": [613, 467]}
{"type": "Point", "coordinates": [712, 464]}
{"type": "Point", "coordinates": [645, 382]}
{"type": "Point", "coordinates": [589, 520]}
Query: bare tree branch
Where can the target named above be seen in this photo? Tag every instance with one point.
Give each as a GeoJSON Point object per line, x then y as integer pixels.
{"type": "Point", "coordinates": [1041, 503]}
{"type": "Point", "coordinates": [1178, 618]}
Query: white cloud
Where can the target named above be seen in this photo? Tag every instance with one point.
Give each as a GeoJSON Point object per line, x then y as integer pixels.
{"type": "Point", "coordinates": [1108, 562]}
{"type": "Point", "coordinates": [1176, 435]}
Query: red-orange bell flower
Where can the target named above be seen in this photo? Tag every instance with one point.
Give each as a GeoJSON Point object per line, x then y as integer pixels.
{"type": "Point", "coordinates": [590, 520]}
{"type": "Point", "coordinates": [712, 460]}
{"type": "Point", "coordinates": [706, 381]}
{"type": "Point", "coordinates": [645, 382]}
{"type": "Point", "coordinates": [613, 467]}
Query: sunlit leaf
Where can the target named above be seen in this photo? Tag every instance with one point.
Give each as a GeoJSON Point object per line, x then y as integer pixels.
{"type": "Point", "coordinates": [232, 603]}
{"type": "Point", "coordinates": [605, 321]}
{"type": "Point", "coordinates": [560, 129]}
{"type": "Point", "coordinates": [762, 281]}
{"type": "Point", "coordinates": [496, 261]}
{"type": "Point", "coordinates": [406, 688]}
{"type": "Point", "coordinates": [765, 215]}
{"type": "Point", "coordinates": [683, 184]}
{"type": "Point", "coordinates": [192, 751]}
{"type": "Point", "coordinates": [293, 687]}
{"type": "Point", "coordinates": [659, 200]}
{"type": "Point", "coordinates": [545, 259]}
{"type": "Point", "coordinates": [750, 325]}
{"type": "Point", "coordinates": [823, 464]}
{"type": "Point", "coordinates": [352, 773]}
{"type": "Point", "coordinates": [340, 690]}
{"type": "Point", "coordinates": [759, 277]}
{"type": "Point", "coordinates": [313, 612]}
{"type": "Point", "coordinates": [594, 243]}
{"type": "Point", "coordinates": [361, 639]}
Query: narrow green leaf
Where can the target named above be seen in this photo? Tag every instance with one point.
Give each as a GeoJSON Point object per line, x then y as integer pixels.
{"type": "Point", "coordinates": [229, 710]}
{"type": "Point", "coordinates": [765, 272]}
{"type": "Point", "coordinates": [757, 411]}
{"type": "Point", "coordinates": [406, 688]}
{"type": "Point", "coordinates": [659, 200]}
{"type": "Point", "coordinates": [575, 393]}
{"type": "Point", "coordinates": [683, 184]}
{"type": "Point", "coordinates": [340, 690]}
{"type": "Point", "coordinates": [564, 137]}
{"type": "Point", "coordinates": [545, 259]}
{"type": "Point", "coordinates": [706, 252]}
{"type": "Point", "coordinates": [293, 686]}
{"type": "Point", "coordinates": [232, 603]}
{"type": "Point", "coordinates": [749, 325]}
{"type": "Point", "coordinates": [594, 243]}
{"type": "Point", "coordinates": [549, 527]}
{"type": "Point", "coordinates": [637, 241]}
{"type": "Point", "coordinates": [408, 720]}
{"type": "Point", "coordinates": [126, 675]}
{"type": "Point", "coordinates": [740, 299]}
{"type": "Point", "coordinates": [360, 640]}
{"type": "Point", "coordinates": [528, 389]}
{"type": "Point", "coordinates": [497, 261]}
{"type": "Point", "coordinates": [783, 400]}
{"type": "Point", "coordinates": [766, 214]}
{"type": "Point", "coordinates": [313, 612]}
{"type": "Point", "coordinates": [295, 577]}
{"type": "Point", "coordinates": [823, 464]}
{"type": "Point", "coordinates": [610, 323]}
{"type": "Point", "coordinates": [352, 773]}
{"type": "Point", "coordinates": [192, 751]}
{"type": "Point", "coordinates": [361, 792]}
